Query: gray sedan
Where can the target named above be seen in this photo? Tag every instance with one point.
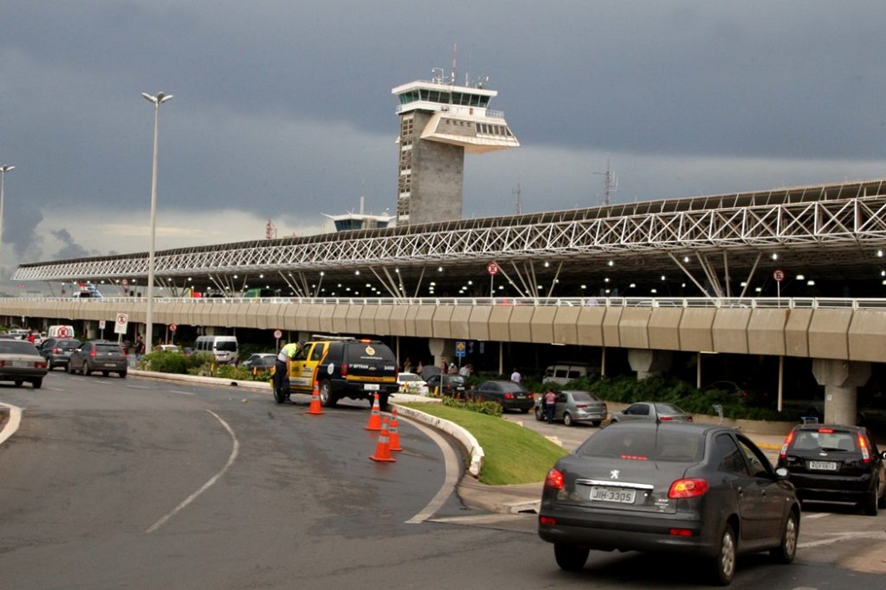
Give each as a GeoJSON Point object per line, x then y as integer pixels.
{"type": "Point", "coordinates": [20, 362]}
{"type": "Point", "coordinates": [651, 411]}
{"type": "Point", "coordinates": [574, 406]}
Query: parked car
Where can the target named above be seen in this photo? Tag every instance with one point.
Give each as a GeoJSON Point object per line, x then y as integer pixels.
{"type": "Point", "coordinates": [20, 362]}
{"type": "Point", "coordinates": [448, 385]}
{"type": "Point", "coordinates": [690, 489]}
{"type": "Point", "coordinates": [167, 348]}
{"type": "Point", "coordinates": [651, 411]}
{"type": "Point", "coordinates": [574, 406]}
{"type": "Point", "coordinates": [412, 383]}
{"type": "Point", "coordinates": [100, 356]}
{"type": "Point", "coordinates": [57, 351]}
{"type": "Point", "coordinates": [511, 396]}
{"type": "Point", "coordinates": [564, 372]}
{"type": "Point", "coordinates": [835, 464]}
{"type": "Point", "coordinates": [261, 361]}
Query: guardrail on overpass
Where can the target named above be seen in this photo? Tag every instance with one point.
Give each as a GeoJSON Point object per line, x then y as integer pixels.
{"type": "Point", "coordinates": [833, 328]}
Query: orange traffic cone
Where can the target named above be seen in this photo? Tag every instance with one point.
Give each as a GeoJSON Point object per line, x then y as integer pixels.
{"type": "Point", "coordinates": [316, 407]}
{"type": "Point", "coordinates": [383, 448]}
{"type": "Point", "coordinates": [374, 416]}
{"type": "Point", "coordinates": [395, 435]}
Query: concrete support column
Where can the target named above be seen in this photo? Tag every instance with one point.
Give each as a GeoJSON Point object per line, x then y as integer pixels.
{"type": "Point", "coordinates": [440, 347]}
{"type": "Point", "coordinates": [649, 363]}
{"type": "Point", "coordinates": [841, 380]}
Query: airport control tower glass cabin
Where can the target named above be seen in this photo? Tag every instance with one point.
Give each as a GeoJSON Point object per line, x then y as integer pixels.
{"type": "Point", "coordinates": [439, 123]}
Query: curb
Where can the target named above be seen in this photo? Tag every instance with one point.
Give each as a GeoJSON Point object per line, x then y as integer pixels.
{"type": "Point", "coordinates": [454, 430]}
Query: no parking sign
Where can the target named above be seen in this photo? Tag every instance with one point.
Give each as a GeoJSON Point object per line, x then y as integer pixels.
{"type": "Point", "coordinates": [121, 323]}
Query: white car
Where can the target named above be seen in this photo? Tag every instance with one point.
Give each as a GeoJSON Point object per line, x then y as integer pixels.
{"type": "Point", "coordinates": [412, 383]}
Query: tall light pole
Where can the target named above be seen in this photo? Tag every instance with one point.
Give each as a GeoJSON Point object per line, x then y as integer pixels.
{"type": "Point", "coordinates": [149, 320]}
{"type": "Point", "coordinates": [3, 171]}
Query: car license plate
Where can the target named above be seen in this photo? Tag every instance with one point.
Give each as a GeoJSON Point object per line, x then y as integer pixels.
{"type": "Point", "coordinates": [823, 465]}
{"type": "Point", "coordinates": [370, 387]}
{"type": "Point", "coordinates": [22, 364]}
{"type": "Point", "coordinates": [110, 364]}
{"type": "Point", "coordinates": [608, 494]}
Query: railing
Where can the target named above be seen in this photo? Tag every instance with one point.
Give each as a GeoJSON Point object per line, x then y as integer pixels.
{"type": "Point", "coordinates": [875, 304]}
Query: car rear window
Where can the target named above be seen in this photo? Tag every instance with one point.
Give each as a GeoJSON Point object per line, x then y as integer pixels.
{"type": "Point", "coordinates": [583, 396]}
{"type": "Point", "coordinates": [17, 347]}
{"type": "Point", "coordinates": [825, 439]}
{"type": "Point", "coordinates": [644, 445]}
{"type": "Point", "coordinates": [368, 352]}
{"type": "Point", "coordinates": [68, 343]}
{"type": "Point", "coordinates": [108, 348]}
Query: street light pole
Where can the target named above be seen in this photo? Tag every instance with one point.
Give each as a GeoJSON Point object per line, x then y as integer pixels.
{"type": "Point", "coordinates": [3, 171]}
{"type": "Point", "coordinates": [149, 320]}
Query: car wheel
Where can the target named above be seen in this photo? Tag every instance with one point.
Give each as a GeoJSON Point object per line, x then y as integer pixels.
{"type": "Point", "coordinates": [881, 503]}
{"type": "Point", "coordinates": [571, 558]}
{"type": "Point", "coordinates": [723, 565]}
{"type": "Point", "coordinates": [524, 410]}
{"type": "Point", "coordinates": [786, 551]}
{"type": "Point", "coordinates": [37, 383]}
{"type": "Point", "coordinates": [872, 502]}
{"type": "Point", "coordinates": [567, 419]}
{"type": "Point", "coordinates": [327, 398]}
{"type": "Point", "coordinates": [122, 374]}
{"type": "Point", "coordinates": [539, 414]}
{"type": "Point", "coordinates": [84, 368]}
{"type": "Point", "coordinates": [18, 383]}
{"type": "Point", "coordinates": [596, 423]}
{"type": "Point", "coordinates": [105, 373]}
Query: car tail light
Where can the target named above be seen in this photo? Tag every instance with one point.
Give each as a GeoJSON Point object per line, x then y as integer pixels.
{"type": "Point", "coordinates": [92, 353]}
{"type": "Point", "coordinates": [580, 406]}
{"type": "Point", "coordinates": [665, 418]}
{"type": "Point", "coordinates": [688, 488]}
{"type": "Point", "coordinates": [680, 533]}
{"type": "Point", "coordinates": [56, 351]}
{"type": "Point", "coordinates": [784, 446]}
{"type": "Point", "coordinates": [40, 364]}
{"type": "Point", "coordinates": [2, 363]}
{"type": "Point", "coordinates": [865, 452]}
{"type": "Point", "coordinates": [826, 430]}
{"type": "Point", "coordinates": [689, 418]}
{"type": "Point", "coordinates": [509, 396]}
{"type": "Point", "coordinates": [344, 369]}
{"type": "Point", "coordinates": [547, 520]}
{"type": "Point", "coordinates": [554, 480]}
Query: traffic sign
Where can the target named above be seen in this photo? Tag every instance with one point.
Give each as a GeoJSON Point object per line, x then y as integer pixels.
{"type": "Point", "coordinates": [173, 328]}
{"type": "Point", "coordinates": [124, 282]}
{"type": "Point", "coordinates": [778, 275]}
{"type": "Point", "coordinates": [460, 347]}
{"type": "Point", "coordinates": [101, 324]}
{"type": "Point", "coordinates": [278, 334]}
{"type": "Point", "coordinates": [492, 268]}
{"type": "Point", "coordinates": [121, 323]}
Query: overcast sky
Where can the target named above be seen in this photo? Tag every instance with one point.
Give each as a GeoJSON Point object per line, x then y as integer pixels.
{"type": "Point", "coordinates": [283, 109]}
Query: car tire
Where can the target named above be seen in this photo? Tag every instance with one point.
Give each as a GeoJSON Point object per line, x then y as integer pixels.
{"type": "Point", "coordinates": [105, 373]}
{"type": "Point", "coordinates": [787, 550]}
{"type": "Point", "coordinates": [596, 423]}
{"type": "Point", "coordinates": [539, 414]}
{"type": "Point", "coordinates": [524, 410]}
{"type": "Point", "coordinates": [872, 502]}
{"type": "Point", "coordinates": [18, 383]}
{"type": "Point", "coordinates": [881, 503]}
{"type": "Point", "coordinates": [84, 368]}
{"type": "Point", "coordinates": [122, 374]}
{"type": "Point", "coordinates": [327, 398]}
{"type": "Point", "coordinates": [571, 558]}
{"type": "Point", "coordinates": [567, 419]}
{"type": "Point", "coordinates": [37, 383]}
{"type": "Point", "coordinates": [723, 564]}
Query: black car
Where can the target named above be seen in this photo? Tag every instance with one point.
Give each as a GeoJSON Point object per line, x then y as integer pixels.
{"type": "Point", "coordinates": [448, 385]}
{"type": "Point", "coordinates": [99, 356]}
{"type": "Point", "coordinates": [834, 463]}
{"type": "Point", "coordinates": [511, 396]}
{"type": "Point", "coordinates": [676, 487]}
{"type": "Point", "coordinates": [57, 351]}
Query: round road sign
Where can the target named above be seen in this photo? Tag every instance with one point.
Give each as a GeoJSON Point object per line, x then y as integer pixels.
{"type": "Point", "coordinates": [172, 327]}
{"type": "Point", "coordinates": [492, 268]}
{"type": "Point", "coordinates": [278, 334]}
{"type": "Point", "coordinates": [778, 275]}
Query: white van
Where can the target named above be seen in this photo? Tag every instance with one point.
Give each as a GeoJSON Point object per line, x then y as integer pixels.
{"type": "Point", "coordinates": [563, 373]}
{"type": "Point", "coordinates": [61, 332]}
{"type": "Point", "coordinates": [224, 348]}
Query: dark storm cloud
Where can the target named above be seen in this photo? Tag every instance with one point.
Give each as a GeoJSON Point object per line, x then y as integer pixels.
{"type": "Point", "coordinates": [70, 248]}
{"type": "Point", "coordinates": [280, 106]}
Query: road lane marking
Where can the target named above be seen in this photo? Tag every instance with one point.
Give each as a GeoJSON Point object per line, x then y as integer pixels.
{"type": "Point", "coordinates": [807, 516]}
{"type": "Point", "coordinates": [15, 419]}
{"type": "Point", "coordinates": [453, 473]}
{"type": "Point", "coordinates": [878, 535]}
{"type": "Point", "coordinates": [235, 450]}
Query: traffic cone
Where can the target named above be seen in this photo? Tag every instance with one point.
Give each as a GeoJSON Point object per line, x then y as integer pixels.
{"type": "Point", "coordinates": [316, 407]}
{"type": "Point", "coordinates": [395, 435]}
{"type": "Point", "coordinates": [374, 416]}
{"type": "Point", "coordinates": [383, 448]}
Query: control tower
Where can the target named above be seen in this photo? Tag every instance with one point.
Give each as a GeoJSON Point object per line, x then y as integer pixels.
{"type": "Point", "coordinates": [439, 123]}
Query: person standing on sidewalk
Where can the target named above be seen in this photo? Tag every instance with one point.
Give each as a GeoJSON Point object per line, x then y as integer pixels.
{"type": "Point", "coordinates": [550, 401]}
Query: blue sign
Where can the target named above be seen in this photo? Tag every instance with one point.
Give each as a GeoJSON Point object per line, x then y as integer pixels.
{"type": "Point", "coordinates": [460, 348]}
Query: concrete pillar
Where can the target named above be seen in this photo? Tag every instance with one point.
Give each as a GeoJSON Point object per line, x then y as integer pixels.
{"type": "Point", "coordinates": [440, 347]}
{"type": "Point", "coordinates": [649, 363]}
{"type": "Point", "coordinates": [841, 380]}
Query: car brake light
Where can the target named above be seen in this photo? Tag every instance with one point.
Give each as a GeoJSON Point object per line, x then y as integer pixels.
{"type": "Point", "coordinates": [92, 353]}
{"type": "Point", "coordinates": [509, 396]}
{"type": "Point", "coordinates": [826, 430]}
{"type": "Point", "coordinates": [344, 369]}
{"type": "Point", "coordinates": [580, 406]}
{"type": "Point", "coordinates": [2, 363]}
{"type": "Point", "coordinates": [680, 533]}
{"type": "Point", "coordinates": [863, 445]}
{"type": "Point", "coordinates": [56, 351]}
{"type": "Point", "coordinates": [688, 488]}
{"type": "Point", "coordinates": [665, 418]}
{"type": "Point", "coordinates": [40, 364]}
{"type": "Point", "coordinates": [554, 480]}
{"type": "Point", "coordinates": [547, 520]}
{"type": "Point", "coordinates": [787, 442]}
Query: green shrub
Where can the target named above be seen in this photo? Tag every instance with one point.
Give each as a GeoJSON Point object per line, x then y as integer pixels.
{"type": "Point", "coordinates": [175, 362]}
{"type": "Point", "coordinates": [474, 405]}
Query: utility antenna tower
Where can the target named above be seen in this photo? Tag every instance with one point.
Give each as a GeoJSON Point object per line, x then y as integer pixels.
{"type": "Point", "coordinates": [610, 184]}
{"type": "Point", "coordinates": [517, 207]}
{"type": "Point", "coordinates": [270, 230]}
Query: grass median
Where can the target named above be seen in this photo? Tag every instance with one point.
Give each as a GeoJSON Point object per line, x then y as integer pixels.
{"type": "Point", "coordinates": [514, 454]}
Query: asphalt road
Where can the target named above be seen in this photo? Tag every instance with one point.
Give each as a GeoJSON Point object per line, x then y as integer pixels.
{"type": "Point", "coordinates": [136, 483]}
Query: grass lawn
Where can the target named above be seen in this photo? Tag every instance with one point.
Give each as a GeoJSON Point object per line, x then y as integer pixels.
{"type": "Point", "coordinates": [514, 454]}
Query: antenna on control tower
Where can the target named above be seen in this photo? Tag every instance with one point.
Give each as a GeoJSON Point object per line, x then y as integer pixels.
{"type": "Point", "coordinates": [610, 184]}
{"type": "Point", "coordinates": [517, 206]}
{"type": "Point", "coordinates": [270, 230]}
